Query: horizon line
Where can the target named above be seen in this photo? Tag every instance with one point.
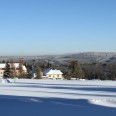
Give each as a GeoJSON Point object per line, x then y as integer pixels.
{"type": "Point", "coordinates": [54, 54]}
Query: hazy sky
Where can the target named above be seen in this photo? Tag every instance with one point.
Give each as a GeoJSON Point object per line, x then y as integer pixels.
{"type": "Point", "coordinates": [37, 27]}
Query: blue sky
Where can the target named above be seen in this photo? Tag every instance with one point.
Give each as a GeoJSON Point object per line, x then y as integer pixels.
{"type": "Point", "coordinates": [38, 27]}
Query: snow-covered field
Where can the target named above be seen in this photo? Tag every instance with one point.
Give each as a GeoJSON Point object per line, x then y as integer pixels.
{"type": "Point", "coordinates": [58, 97]}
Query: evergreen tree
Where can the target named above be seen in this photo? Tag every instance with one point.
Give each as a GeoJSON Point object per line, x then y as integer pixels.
{"type": "Point", "coordinates": [29, 74]}
{"type": "Point", "coordinates": [7, 72]}
{"type": "Point", "coordinates": [76, 70]}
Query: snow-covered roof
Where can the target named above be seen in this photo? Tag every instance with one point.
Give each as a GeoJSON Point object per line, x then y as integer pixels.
{"type": "Point", "coordinates": [54, 71]}
{"type": "Point", "coordinates": [17, 66]}
{"type": "Point", "coordinates": [3, 65]}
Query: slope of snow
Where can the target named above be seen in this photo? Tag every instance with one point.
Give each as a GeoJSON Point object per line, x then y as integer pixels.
{"type": "Point", "coordinates": [92, 97]}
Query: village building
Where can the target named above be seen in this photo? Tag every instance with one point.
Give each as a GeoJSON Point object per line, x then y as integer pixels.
{"type": "Point", "coordinates": [16, 66]}
{"type": "Point", "coordinates": [53, 73]}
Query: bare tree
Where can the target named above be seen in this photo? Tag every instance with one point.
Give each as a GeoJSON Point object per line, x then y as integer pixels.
{"type": "Point", "coordinates": [13, 69]}
{"type": "Point", "coordinates": [113, 71]}
{"type": "Point", "coordinates": [20, 69]}
{"type": "Point", "coordinates": [38, 72]}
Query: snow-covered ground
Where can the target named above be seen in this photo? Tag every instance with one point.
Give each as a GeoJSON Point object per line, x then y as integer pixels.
{"type": "Point", "coordinates": [57, 97]}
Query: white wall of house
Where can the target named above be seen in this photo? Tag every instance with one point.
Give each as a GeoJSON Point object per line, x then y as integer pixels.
{"type": "Point", "coordinates": [1, 73]}
{"type": "Point", "coordinates": [54, 76]}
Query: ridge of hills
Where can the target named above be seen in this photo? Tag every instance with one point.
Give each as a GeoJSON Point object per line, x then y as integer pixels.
{"type": "Point", "coordinates": [83, 57]}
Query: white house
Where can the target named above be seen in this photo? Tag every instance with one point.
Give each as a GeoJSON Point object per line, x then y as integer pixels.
{"type": "Point", "coordinates": [53, 73]}
{"type": "Point", "coordinates": [16, 65]}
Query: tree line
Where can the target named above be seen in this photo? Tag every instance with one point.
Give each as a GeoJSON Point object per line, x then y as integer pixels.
{"type": "Point", "coordinates": [72, 69]}
{"type": "Point", "coordinates": [98, 71]}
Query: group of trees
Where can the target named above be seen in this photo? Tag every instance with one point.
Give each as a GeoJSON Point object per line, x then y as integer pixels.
{"type": "Point", "coordinates": [33, 71]}
{"type": "Point", "coordinates": [100, 71]}
{"type": "Point", "coordinates": [91, 71]}
{"type": "Point", "coordinates": [72, 69]}
{"type": "Point", "coordinates": [11, 71]}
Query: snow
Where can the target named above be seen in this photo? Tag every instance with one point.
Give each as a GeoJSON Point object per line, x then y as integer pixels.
{"type": "Point", "coordinates": [2, 65]}
{"type": "Point", "coordinates": [4, 81]}
{"type": "Point", "coordinates": [104, 102]}
{"type": "Point", "coordinates": [57, 97]}
{"type": "Point", "coordinates": [52, 71]}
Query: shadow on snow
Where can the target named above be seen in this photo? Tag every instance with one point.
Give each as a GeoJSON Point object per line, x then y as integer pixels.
{"type": "Point", "coordinates": [34, 106]}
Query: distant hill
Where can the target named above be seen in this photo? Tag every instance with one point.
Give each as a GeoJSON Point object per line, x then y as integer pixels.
{"type": "Point", "coordinates": [92, 57]}
{"type": "Point", "coordinates": [85, 57]}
